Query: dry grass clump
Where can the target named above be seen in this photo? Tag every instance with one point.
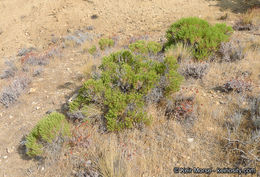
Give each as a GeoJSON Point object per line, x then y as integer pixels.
{"type": "Point", "coordinates": [249, 20]}
{"type": "Point", "coordinates": [243, 137]}
{"type": "Point", "coordinates": [182, 52]}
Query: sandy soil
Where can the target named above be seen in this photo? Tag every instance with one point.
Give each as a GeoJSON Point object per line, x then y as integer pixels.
{"type": "Point", "coordinates": [32, 23]}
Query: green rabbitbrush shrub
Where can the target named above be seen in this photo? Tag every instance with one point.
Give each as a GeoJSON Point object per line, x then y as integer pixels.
{"type": "Point", "coordinates": [124, 81]}
{"type": "Point", "coordinates": [105, 43]}
{"type": "Point", "coordinates": [144, 47]}
{"type": "Point", "coordinates": [46, 131]}
{"type": "Point", "coordinates": [203, 37]}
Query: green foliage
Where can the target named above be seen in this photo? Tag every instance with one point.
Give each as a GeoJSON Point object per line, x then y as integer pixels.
{"type": "Point", "coordinates": [124, 82]}
{"type": "Point", "coordinates": [46, 131]}
{"type": "Point", "coordinates": [105, 42]}
{"type": "Point", "coordinates": [92, 49]}
{"type": "Point", "coordinates": [203, 37]}
{"type": "Point", "coordinates": [144, 47]}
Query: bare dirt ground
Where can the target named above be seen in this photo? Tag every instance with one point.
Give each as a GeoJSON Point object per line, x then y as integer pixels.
{"type": "Point", "coordinates": [33, 23]}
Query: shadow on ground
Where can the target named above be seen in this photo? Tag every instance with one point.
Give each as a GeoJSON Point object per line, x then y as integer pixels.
{"type": "Point", "coordinates": [237, 6]}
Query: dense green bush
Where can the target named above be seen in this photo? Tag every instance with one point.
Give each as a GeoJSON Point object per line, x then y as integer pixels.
{"type": "Point", "coordinates": [105, 42]}
{"type": "Point", "coordinates": [46, 131]}
{"type": "Point", "coordinates": [92, 49]}
{"type": "Point", "coordinates": [203, 37]}
{"type": "Point", "coordinates": [144, 47]}
{"type": "Point", "coordinates": [124, 81]}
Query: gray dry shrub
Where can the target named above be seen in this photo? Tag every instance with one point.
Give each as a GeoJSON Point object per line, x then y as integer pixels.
{"type": "Point", "coordinates": [231, 51]}
{"type": "Point", "coordinates": [10, 94]}
{"type": "Point", "coordinates": [10, 71]}
{"type": "Point", "coordinates": [237, 85]}
{"type": "Point", "coordinates": [193, 70]}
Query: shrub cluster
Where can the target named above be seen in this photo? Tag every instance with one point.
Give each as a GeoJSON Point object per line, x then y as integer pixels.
{"type": "Point", "coordinates": [144, 47]}
{"type": "Point", "coordinates": [92, 50]}
{"type": "Point", "coordinates": [46, 131]}
{"type": "Point", "coordinates": [203, 37]}
{"type": "Point", "coordinates": [125, 81]}
{"type": "Point", "coordinates": [105, 42]}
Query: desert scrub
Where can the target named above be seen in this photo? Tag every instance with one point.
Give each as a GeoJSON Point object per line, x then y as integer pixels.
{"type": "Point", "coordinates": [144, 47]}
{"type": "Point", "coordinates": [45, 132]}
{"type": "Point", "coordinates": [125, 81]}
{"type": "Point", "coordinates": [92, 50]}
{"type": "Point", "coordinates": [203, 37]}
{"type": "Point", "coordinates": [105, 43]}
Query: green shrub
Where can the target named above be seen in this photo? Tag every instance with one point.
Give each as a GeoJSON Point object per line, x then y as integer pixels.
{"type": "Point", "coordinates": [144, 47]}
{"type": "Point", "coordinates": [105, 42]}
{"type": "Point", "coordinates": [46, 131]}
{"type": "Point", "coordinates": [203, 37]}
{"type": "Point", "coordinates": [121, 89]}
{"type": "Point", "coordinates": [92, 49]}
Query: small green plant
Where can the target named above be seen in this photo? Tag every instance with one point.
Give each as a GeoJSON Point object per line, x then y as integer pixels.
{"type": "Point", "coordinates": [125, 80]}
{"type": "Point", "coordinates": [144, 47]}
{"type": "Point", "coordinates": [92, 49]}
{"type": "Point", "coordinates": [105, 42]}
{"type": "Point", "coordinates": [46, 131]}
{"type": "Point", "coordinates": [204, 38]}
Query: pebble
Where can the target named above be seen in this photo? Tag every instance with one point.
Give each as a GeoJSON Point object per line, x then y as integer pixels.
{"type": "Point", "coordinates": [10, 150]}
{"type": "Point", "coordinates": [190, 140]}
{"type": "Point", "coordinates": [221, 102]}
{"type": "Point", "coordinates": [88, 162]}
{"type": "Point", "coordinates": [5, 157]}
{"type": "Point", "coordinates": [37, 108]}
{"type": "Point", "coordinates": [32, 90]}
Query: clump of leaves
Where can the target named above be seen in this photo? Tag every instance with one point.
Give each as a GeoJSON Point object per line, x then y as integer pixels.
{"type": "Point", "coordinates": [45, 132]}
{"type": "Point", "coordinates": [144, 47]}
{"type": "Point", "coordinates": [203, 37]}
{"type": "Point", "coordinates": [92, 49]}
{"type": "Point", "coordinates": [105, 43]}
{"type": "Point", "coordinates": [125, 81]}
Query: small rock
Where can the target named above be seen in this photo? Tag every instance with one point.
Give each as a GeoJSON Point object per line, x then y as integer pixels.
{"type": "Point", "coordinates": [37, 108]}
{"type": "Point", "coordinates": [32, 90]}
{"type": "Point", "coordinates": [88, 163]}
{"type": "Point", "coordinates": [42, 168]}
{"type": "Point", "coordinates": [10, 116]}
{"type": "Point", "coordinates": [221, 102]}
{"type": "Point", "coordinates": [89, 28]}
{"type": "Point", "coordinates": [10, 150]}
{"type": "Point", "coordinates": [95, 16]}
{"type": "Point", "coordinates": [5, 157]}
{"type": "Point", "coordinates": [190, 140]}
{"type": "Point", "coordinates": [50, 111]}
